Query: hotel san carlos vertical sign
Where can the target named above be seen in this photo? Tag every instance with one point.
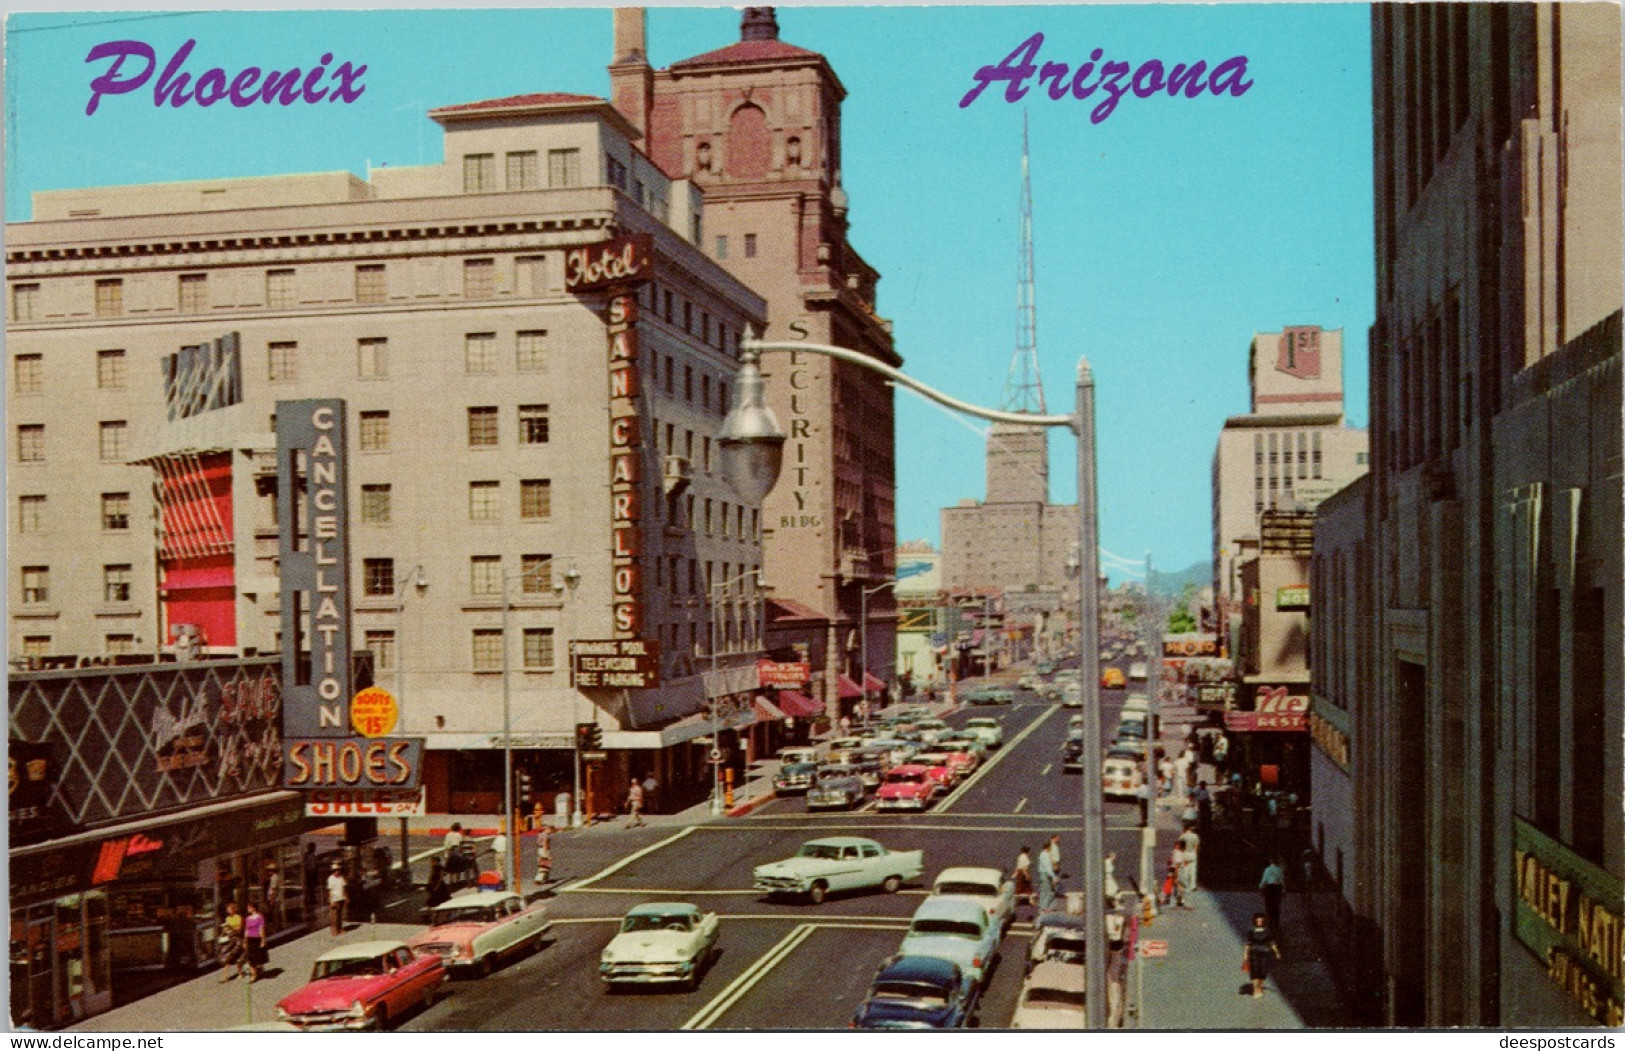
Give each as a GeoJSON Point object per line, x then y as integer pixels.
{"type": "Point", "coordinates": [320, 750]}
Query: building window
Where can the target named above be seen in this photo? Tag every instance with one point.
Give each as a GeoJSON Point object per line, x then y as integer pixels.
{"type": "Point", "coordinates": [112, 434]}
{"type": "Point", "coordinates": [115, 512]}
{"type": "Point", "coordinates": [535, 498]}
{"type": "Point", "coordinates": [116, 583]}
{"type": "Point", "coordinates": [539, 648]}
{"type": "Point", "coordinates": [563, 168]}
{"type": "Point", "coordinates": [25, 302]}
{"type": "Point", "coordinates": [722, 246]}
{"type": "Point", "coordinates": [194, 293]}
{"type": "Point", "coordinates": [792, 151]}
{"type": "Point", "coordinates": [31, 514]}
{"type": "Point", "coordinates": [1362, 459]}
{"type": "Point", "coordinates": [382, 645]}
{"type": "Point", "coordinates": [375, 504]}
{"type": "Point", "coordinates": [30, 443]}
{"type": "Point", "coordinates": [705, 453]}
{"type": "Point", "coordinates": [722, 399]}
{"type": "Point", "coordinates": [532, 424]}
{"type": "Point", "coordinates": [485, 575]}
{"type": "Point", "coordinates": [28, 373]}
{"type": "Point", "coordinates": [480, 352]}
{"type": "Point", "coordinates": [705, 392]}
{"type": "Point", "coordinates": [750, 246]}
{"type": "Point", "coordinates": [282, 362]}
{"type": "Point", "coordinates": [374, 431]}
{"type": "Point", "coordinates": [484, 501]}
{"type": "Point", "coordinates": [1315, 455]}
{"type": "Point", "coordinates": [487, 649]}
{"type": "Point", "coordinates": [110, 297]}
{"type": "Point", "coordinates": [479, 173]}
{"type": "Point", "coordinates": [536, 574]}
{"type": "Point", "coordinates": [688, 378]}
{"type": "Point", "coordinates": [378, 577]}
{"type": "Point", "coordinates": [530, 276]}
{"type": "Point", "coordinates": [531, 350]}
{"type": "Point", "coordinates": [524, 171]}
{"type": "Point", "coordinates": [36, 645]}
{"type": "Point", "coordinates": [110, 369]}
{"type": "Point", "coordinates": [479, 278]}
{"type": "Point", "coordinates": [708, 516]}
{"type": "Point", "coordinates": [279, 289]}
{"type": "Point", "coordinates": [370, 286]}
{"type": "Point", "coordinates": [119, 643]}
{"type": "Point", "coordinates": [482, 426]}
{"type": "Point", "coordinates": [372, 358]}
{"type": "Point", "coordinates": [36, 584]}
{"type": "Point", "coordinates": [615, 173]}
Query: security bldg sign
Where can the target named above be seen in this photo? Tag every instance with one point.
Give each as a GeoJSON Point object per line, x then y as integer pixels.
{"type": "Point", "coordinates": [323, 746]}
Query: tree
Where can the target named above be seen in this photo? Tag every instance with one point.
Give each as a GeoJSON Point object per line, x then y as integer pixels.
{"type": "Point", "coordinates": [1180, 621]}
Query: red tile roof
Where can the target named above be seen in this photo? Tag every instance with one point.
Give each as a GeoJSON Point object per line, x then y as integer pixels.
{"type": "Point", "coordinates": [540, 98]}
{"type": "Point", "coordinates": [748, 51]}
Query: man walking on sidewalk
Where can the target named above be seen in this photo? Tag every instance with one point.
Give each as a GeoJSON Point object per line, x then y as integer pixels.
{"type": "Point", "coordinates": [337, 895]}
{"type": "Point", "coordinates": [634, 805]}
{"type": "Point", "coordinates": [1272, 885]}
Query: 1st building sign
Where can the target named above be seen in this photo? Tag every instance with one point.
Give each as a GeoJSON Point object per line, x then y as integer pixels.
{"type": "Point", "coordinates": [615, 664]}
{"type": "Point", "coordinates": [623, 260]}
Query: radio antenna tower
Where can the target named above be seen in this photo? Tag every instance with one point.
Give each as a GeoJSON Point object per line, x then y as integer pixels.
{"type": "Point", "coordinates": [1023, 389]}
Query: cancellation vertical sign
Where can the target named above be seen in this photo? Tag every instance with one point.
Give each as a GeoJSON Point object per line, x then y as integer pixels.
{"type": "Point", "coordinates": [313, 513]}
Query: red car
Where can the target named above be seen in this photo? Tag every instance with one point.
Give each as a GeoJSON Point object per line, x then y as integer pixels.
{"type": "Point", "coordinates": [912, 787]}
{"type": "Point", "coordinates": [363, 986]}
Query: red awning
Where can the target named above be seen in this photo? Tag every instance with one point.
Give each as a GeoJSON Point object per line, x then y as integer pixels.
{"type": "Point", "coordinates": [767, 711]}
{"type": "Point", "coordinates": [848, 689]}
{"type": "Point", "coordinates": [874, 685]}
{"type": "Point", "coordinates": [794, 702]}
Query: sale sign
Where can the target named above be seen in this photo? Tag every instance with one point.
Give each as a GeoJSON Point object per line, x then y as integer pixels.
{"type": "Point", "coordinates": [374, 712]}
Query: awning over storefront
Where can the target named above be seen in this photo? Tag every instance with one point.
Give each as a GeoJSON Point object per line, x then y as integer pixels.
{"type": "Point", "coordinates": [873, 684]}
{"type": "Point", "coordinates": [796, 703]}
{"type": "Point", "coordinates": [848, 689]}
{"type": "Point", "coordinates": [767, 711]}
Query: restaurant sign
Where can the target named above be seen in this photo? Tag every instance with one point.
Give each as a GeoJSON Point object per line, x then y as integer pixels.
{"type": "Point", "coordinates": [1295, 596]}
{"type": "Point", "coordinates": [1213, 696]}
{"type": "Point", "coordinates": [615, 664]}
{"type": "Point", "coordinates": [1274, 710]}
{"type": "Point", "coordinates": [783, 675]}
{"type": "Point", "coordinates": [1571, 915]}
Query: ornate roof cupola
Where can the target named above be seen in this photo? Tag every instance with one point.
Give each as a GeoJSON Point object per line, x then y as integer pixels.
{"type": "Point", "coordinates": [759, 23]}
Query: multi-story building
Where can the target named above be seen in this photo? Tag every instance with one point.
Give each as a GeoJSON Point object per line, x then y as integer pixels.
{"type": "Point", "coordinates": [1485, 734]}
{"type": "Point", "coordinates": [921, 620]}
{"type": "Point", "coordinates": [492, 400]}
{"type": "Point", "coordinates": [1292, 449]}
{"type": "Point", "coordinates": [757, 126]}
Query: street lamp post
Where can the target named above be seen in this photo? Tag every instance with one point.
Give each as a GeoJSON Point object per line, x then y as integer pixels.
{"type": "Point", "coordinates": [711, 700]}
{"type": "Point", "coordinates": [863, 631]}
{"type": "Point", "coordinates": [420, 580]}
{"type": "Point", "coordinates": [752, 446]}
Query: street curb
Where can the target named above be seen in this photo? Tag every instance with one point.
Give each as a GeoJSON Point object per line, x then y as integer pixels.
{"type": "Point", "coordinates": [750, 804]}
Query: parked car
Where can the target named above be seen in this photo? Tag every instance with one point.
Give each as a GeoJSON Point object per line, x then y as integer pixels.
{"type": "Point", "coordinates": [1113, 679]}
{"type": "Point", "coordinates": [798, 754]}
{"type": "Point", "coordinates": [917, 992]}
{"type": "Point", "coordinates": [954, 929]}
{"type": "Point", "coordinates": [989, 729]}
{"type": "Point", "coordinates": [897, 750]}
{"type": "Point", "coordinates": [966, 755]}
{"type": "Point", "coordinates": [1052, 997]}
{"type": "Point", "coordinates": [839, 863]}
{"type": "Point", "coordinates": [984, 695]}
{"type": "Point", "coordinates": [1121, 778]}
{"type": "Point", "coordinates": [965, 741]}
{"type": "Point", "coordinates": [912, 787]}
{"type": "Point", "coordinates": [956, 765]}
{"type": "Point", "coordinates": [660, 942]}
{"type": "Point", "coordinates": [931, 729]}
{"type": "Point", "coordinates": [794, 779]}
{"type": "Point", "coordinates": [837, 786]}
{"type": "Point", "coordinates": [1057, 936]}
{"type": "Point", "coordinates": [475, 929]}
{"type": "Point", "coordinates": [362, 986]}
{"type": "Point", "coordinates": [986, 885]}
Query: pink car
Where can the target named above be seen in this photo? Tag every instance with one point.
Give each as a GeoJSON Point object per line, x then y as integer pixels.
{"type": "Point", "coordinates": [912, 787]}
{"type": "Point", "coordinates": [362, 986]}
{"type": "Point", "coordinates": [478, 928]}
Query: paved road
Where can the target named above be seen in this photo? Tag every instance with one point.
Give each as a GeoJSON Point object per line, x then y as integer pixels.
{"type": "Point", "coordinates": [786, 964]}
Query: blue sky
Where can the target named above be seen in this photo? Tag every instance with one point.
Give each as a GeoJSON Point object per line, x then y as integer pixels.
{"type": "Point", "coordinates": [1166, 234]}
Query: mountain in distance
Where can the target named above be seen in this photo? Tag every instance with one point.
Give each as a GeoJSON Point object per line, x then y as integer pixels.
{"type": "Point", "coordinates": [1172, 585]}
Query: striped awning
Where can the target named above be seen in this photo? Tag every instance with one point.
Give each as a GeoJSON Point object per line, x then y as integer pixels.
{"type": "Point", "coordinates": [796, 703]}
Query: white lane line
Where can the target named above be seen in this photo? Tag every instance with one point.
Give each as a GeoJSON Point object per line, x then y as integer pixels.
{"type": "Point", "coordinates": [981, 772]}
{"type": "Point", "coordinates": [1020, 806]}
{"type": "Point", "coordinates": [1047, 768]}
{"type": "Point", "coordinates": [392, 904]}
{"type": "Point", "coordinates": [621, 864]}
{"type": "Point", "coordinates": [736, 990]}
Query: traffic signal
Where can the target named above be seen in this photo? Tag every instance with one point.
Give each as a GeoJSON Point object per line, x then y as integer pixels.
{"type": "Point", "coordinates": [589, 736]}
{"type": "Point", "coordinates": [595, 736]}
{"type": "Point", "coordinates": [523, 783]}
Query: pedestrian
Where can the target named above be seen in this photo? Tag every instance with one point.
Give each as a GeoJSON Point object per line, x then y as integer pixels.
{"type": "Point", "coordinates": [650, 787]}
{"type": "Point", "coordinates": [438, 891]}
{"type": "Point", "coordinates": [1272, 885]}
{"type": "Point", "coordinates": [1111, 876]}
{"type": "Point", "coordinates": [273, 889]}
{"type": "Point", "coordinates": [254, 942]}
{"type": "Point", "coordinates": [1260, 946]}
{"type": "Point", "coordinates": [1143, 793]}
{"type": "Point", "coordinates": [1182, 771]}
{"type": "Point", "coordinates": [1116, 965]}
{"type": "Point", "coordinates": [1022, 876]}
{"type": "Point", "coordinates": [1048, 880]}
{"type": "Point", "coordinates": [1165, 776]}
{"type": "Point", "coordinates": [544, 853]}
{"type": "Point", "coordinates": [338, 893]}
{"type": "Point", "coordinates": [1191, 840]}
{"type": "Point", "coordinates": [1173, 885]}
{"type": "Point", "coordinates": [1204, 806]}
{"type": "Point", "coordinates": [229, 944]}
{"type": "Point", "coordinates": [634, 805]}
{"type": "Point", "coordinates": [458, 867]}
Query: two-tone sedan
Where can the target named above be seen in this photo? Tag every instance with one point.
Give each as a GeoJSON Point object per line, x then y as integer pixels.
{"type": "Point", "coordinates": [838, 787]}
{"type": "Point", "coordinates": [794, 778]}
{"type": "Point", "coordinates": [476, 929]}
{"type": "Point", "coordinates": [660, 942]}
{"type": "Point", "coordinates": [912, 787]}
{"type": "Point", "coordinates": [362, 986]}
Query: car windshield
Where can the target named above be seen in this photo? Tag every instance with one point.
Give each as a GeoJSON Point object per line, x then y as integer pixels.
{"type": "Point", "coordinates": [980, 890]}
{"type": "Point", "coordinates": [901, 777]}
{"type": "Point", "coordinates": [917, 992]}
{"type": "Point", "coordinates": [655, 922]}
{"type": "Point", "coordinates": [1065, 946]}
{"type": "Point", "coordinates": [821, 851]}
{"type": "Point", "coordinates": [368, 967]}
{"type": "Point", "coordinates": [956, 928]}
{"type": "Point", "coordinates": [1064, 998]}
{"type": "Point", "coordinates": [467, 914]}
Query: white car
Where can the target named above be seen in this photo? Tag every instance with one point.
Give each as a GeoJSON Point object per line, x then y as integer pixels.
{"type": "Point", "coordinates": [1121, 778]}
{"type": "Point", "coordinates": [954, 929]}
{"type": "Point", "coordinates": [839, 863]}
{"type": "Point", "coordinates": [989, 729]}
{"type": "Point", "coordinates": [1136, 671]}
{"type": "Point", "coordinates": [986, 885]}
{"type": "Point", "coordinates": [931, 729]}
{"type": "Point", "coordinates": [660, 942]}
{"type": "Point", "coordinates": [1071, 695]}
{"type": "Point", "coordinates": [476, 928]}
{"type": "Point", "coordinates": [1052, 997]}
